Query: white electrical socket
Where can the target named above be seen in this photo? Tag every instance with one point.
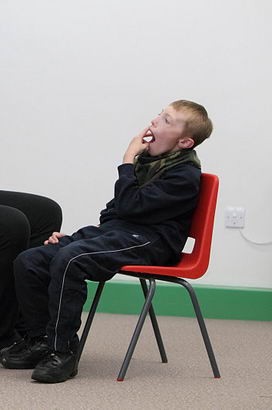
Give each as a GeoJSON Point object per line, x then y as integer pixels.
{"type": "Point", "coordinates": [235, 217]}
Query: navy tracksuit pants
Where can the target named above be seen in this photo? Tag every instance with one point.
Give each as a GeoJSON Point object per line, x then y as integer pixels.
{"type": "Point", "coordinates": [51, 280]}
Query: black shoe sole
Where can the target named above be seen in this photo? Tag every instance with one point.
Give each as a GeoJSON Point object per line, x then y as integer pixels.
{"type": "Point", "coordinates": [45, 378]}
{"type": "Point", "coordinates": [19, 356]}
{"type": "Point", "coordinates": [8, 363]}
{"type": "Point", "coordinates": [19, 366]}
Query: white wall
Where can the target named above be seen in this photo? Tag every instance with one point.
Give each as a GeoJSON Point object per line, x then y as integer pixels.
{"type": "Point", "coordinates": [79, 78]}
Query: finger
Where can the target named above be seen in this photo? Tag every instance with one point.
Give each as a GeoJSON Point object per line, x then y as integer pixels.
{"type": "Point", "coordinates": [59, 234]}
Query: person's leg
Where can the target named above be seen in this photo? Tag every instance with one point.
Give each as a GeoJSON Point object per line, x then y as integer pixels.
{"type": "Point", "coordinates": [32, 276]}
{"type": "Point", "coordinates": [31, 271]}
{"type": "Point", "coordinates": [14, 238]}
{"type": "Point", "coordinates": [42, 216]}
{"type": "Point", "coordinates": [97, 259]}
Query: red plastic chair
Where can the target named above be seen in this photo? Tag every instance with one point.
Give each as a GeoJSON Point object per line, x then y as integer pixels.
{"type": "Point", "coordinates": [191, 266]}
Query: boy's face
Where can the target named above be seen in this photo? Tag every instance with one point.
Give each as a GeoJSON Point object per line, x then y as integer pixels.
{"type": "Point", "coordinates": [167, 130]}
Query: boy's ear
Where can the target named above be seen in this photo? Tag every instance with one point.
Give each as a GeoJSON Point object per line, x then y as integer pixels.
{"type": "Point", "coordinates": [186, 142]}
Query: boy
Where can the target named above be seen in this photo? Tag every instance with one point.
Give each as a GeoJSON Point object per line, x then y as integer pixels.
{"type": "Point", "coordinates": [146, 223]}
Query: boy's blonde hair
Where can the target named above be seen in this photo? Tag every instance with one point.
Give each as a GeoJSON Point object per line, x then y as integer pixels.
{"type": "Point", "coordinates": [198, 125]}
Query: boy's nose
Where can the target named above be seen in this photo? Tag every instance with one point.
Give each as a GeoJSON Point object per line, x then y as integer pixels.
{"type": "Point", "coordinates": [154, 121]}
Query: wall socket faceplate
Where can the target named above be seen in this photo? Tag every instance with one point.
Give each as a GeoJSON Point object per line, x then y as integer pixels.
{"type": "Point", "coordinates": [235, 217]}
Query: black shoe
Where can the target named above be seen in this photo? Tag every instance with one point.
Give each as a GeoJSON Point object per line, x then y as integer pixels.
{"type": "Point", "coordinates": [56, 367]}
{"type": "Point", "coordinates": [24, 354]}
{"type": "Point", "coordinates": [15, 346]}
{"type": "Point", "coordinates": [4, 344]}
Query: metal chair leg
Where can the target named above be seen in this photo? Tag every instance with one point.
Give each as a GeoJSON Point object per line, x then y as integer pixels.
{"type": "Point", "coordinates": [201, 325]}
{"type": "Point", "coordinates": [137, 330]}
{"type": "Point", "coordinates": [89, 320]}
{"type": "Point", "coordinates": [155, 324]}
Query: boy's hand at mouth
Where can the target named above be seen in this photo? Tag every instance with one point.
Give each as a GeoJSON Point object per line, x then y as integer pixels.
{"type": "Point", "coordinates": [136, 146]}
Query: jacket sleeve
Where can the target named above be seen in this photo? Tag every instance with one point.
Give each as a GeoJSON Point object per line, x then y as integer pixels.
{"type": "Point", "coordinates": [165, 198]}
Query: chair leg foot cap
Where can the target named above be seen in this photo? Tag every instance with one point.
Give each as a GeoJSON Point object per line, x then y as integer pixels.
{"type": "Point", "coordinates": [119, 380]}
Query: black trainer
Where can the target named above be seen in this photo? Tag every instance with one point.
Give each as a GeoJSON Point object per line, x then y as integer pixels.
{"type": "Point", "coordinates": [16, 346]}
{"type": "Point", "coordinates": [56, 367]}
{"type": "Point", "coordinates": [10, 341]}
{"type": "Point", "coordinates": [25, 354]}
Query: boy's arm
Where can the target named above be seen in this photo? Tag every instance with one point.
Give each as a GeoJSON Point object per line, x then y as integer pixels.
{"type": "Point", "coordinates": [174, 194]}
{"type": "Point", "coordinates": [165, 198]}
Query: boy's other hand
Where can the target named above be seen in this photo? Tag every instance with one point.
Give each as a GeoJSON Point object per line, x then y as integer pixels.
{"type": "Point", "coordinates": [54, 238]}
{"type": "Point", "coordinates": [136, 146]}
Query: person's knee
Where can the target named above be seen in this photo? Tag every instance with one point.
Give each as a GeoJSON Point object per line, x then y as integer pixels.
{"type": "Point", "coordinates": [14, 229]}
{"type": "Point", "coordinates": [22, 261]}
{"type": "Point", "coordinates": [56, 214]}
{"type": "Point", "coordinates": [28, 261]}
{"type": "Point", "coordinates": [54, 210]}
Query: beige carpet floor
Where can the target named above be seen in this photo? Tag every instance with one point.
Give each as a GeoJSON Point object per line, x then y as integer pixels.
{"type": "Point", "coordinates": [243, 350]}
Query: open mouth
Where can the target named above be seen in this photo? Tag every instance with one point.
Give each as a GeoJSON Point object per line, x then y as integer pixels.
{"type": "Point", "coordinates": [149, 136]}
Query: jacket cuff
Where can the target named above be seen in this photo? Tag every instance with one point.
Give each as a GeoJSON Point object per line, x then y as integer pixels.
{"type": "Point", "coordinates": [126, 170]}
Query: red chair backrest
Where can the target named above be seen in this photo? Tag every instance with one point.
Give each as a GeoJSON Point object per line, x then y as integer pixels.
{"type": "Point", "coordinates": [192, 265]}
{"type": "Point", "coordinates": [202, 228]}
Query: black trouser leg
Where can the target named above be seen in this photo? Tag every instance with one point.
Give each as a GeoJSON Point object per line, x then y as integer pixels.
{"type": "Point", "coordinates": [43, 214]}
{"type": "Point", "coordinates": [14, 237]}
{"type": "Point", "coordinates": [56, 275]}
{"type": "Point", "coordinates": [32, 278]}
{"type": "Point", "coordinates": [25, 220]}
{"type": "Point", "coordinates": [98, 259]}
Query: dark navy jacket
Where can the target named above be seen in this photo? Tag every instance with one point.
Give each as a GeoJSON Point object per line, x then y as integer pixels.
{"type": "Point", "coordinates": [164, 205]}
